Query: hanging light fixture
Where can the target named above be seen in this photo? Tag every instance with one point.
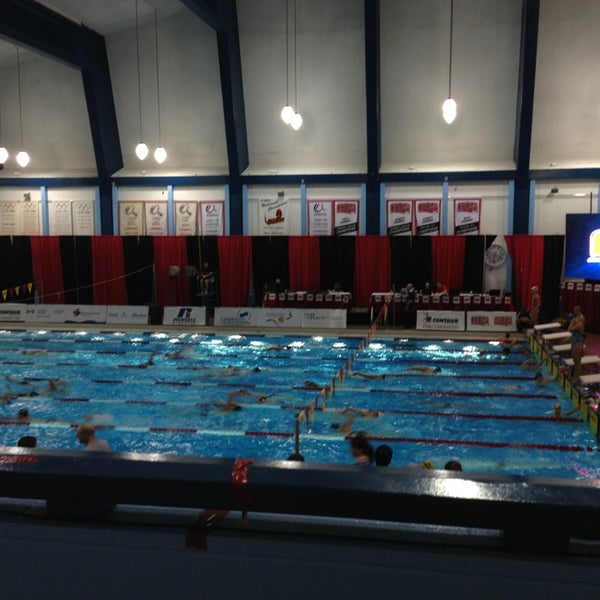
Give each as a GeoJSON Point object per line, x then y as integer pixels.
{"type": "Point", "coordinates": [22, 156]}
{"type": "Point", "coordinates": [141, 150]}
{"type": "Point", "coordinates": [296, 121]}
{"type": "Point", "coordinates": [449, 107]}
{"type": "Point", "coordinates": [287, 112]}
{"type": "Point", "coordinates": [160, 154]}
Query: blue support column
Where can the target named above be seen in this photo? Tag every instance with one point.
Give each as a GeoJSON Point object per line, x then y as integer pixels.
{"type": "Point", "coordinates": [511, 207]}
{"type": "Point", "coordinates": [45, 217]}
{"type": "Point", "coordinates": [303, 229]}
{"type": "Point", "coordinates": [170, 210]}
{"type": "Point", "coordinates": [445, 196]}
{"type": "Point", "coordinates": [244, 210]}
{"type": "Point", "coordinates": [382, 210]}
{"type": "Point", "coordinates": [362, 228]}
{"type": "Point", "coordinates": [115, 208]}
{"type": "Point", "coordinates": [373, 99]}
{"type": "Point", "coordinates": [531, 207]}
{"type": "Point", "coordinates": [226, 211]}
{"type": "Point", "coordinates": [97, 222]}
{"type": "Point", "coordinates": [525, 98]}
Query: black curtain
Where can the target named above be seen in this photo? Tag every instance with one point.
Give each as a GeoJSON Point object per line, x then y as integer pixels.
{"type": "Point", "coordinates": [139, 269]}
{"type": "Point", "coordinates": [399, 260]}
{"type": "Point", "coordinates": [475, 246]}
{"type": "Point", "coordinates": [22, 266]}
{"type": "Point", "coordinates": [553, 257]}
{"type": "Point", "coordinates": [199, 250]}
{"type": "Point", "coordinates": [337, 261]}
{"type": "Point", "coordinates": [270, 260]}
{"type": "Point", "coordinates": [420, 261]}
{"type": "Point", "coordinates": [7, 272]}
{"type": "Point", "coordinates": [76, 260]}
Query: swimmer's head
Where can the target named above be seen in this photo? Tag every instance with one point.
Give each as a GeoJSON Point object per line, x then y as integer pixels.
{"type": "Point", "coordinates": [256, 370]}
{"type": "Point", "coordinates": [538, 375]}
{"type": "Point", "coordinates": [436, 369]}
{"type": "Point", "coordinates": [23, 413]}
{"type": "Point", "coordinates": [335, 425]}
{"type": "Point", "coordinates": [236, 407]}
{"type": "Point", "coordinates": [427, 464]}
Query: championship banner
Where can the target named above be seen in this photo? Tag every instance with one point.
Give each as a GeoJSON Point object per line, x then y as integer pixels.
{"type": "Point", "coordinates": [319, 221]}
{"type": "Point", "coordinates": [60, 218]}
{"type": "Point", "coordinates": [156, 218]}
{"type": "Point", "coordinates": [467, 213]}
{"type": "Point", "coordinates": [399, 217]}
{"type": "Point", "coordinates": [441, 320]}
{"type": "Point", "coordinates": [186, 218]}
{"type": "Point", "coordinates": [83, 217]}
{"type": "Point", "coordinates": [273, 216]}
{"type": "Point", "coordinates": [427, 216]}
{"type": "Point", "coordinates": [212, 218]}
{"type": "Point", "coordinates": [130, 218]}
{"type": "Point", "coordinates": [346, 217]}
{"type": "Point", "coordinates": [9, 217]}
{"type": "Point", "coordinates": [30, 218]}
{"type": "Point", "coordinates": [491, 321]}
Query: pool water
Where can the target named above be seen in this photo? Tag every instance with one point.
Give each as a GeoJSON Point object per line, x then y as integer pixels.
{"type": "Point", "coordinates": [483, 408]}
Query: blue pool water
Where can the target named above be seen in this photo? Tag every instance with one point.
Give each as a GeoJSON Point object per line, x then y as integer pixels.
{"type": "Point", "coordinates": [483, 408]}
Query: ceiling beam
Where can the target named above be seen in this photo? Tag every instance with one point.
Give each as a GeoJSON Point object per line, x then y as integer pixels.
{"type": "Point", "coordinates": [30, 24]}
{"type": "Point", "coordinates": [207, 10]}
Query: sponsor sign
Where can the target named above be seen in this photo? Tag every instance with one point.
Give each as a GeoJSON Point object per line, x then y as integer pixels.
{"type": "Point", "coordinates": [466, 216]}
{"type": "Point", "coordinates": [13, 312]}
{"type": "Point", "coordinates": [236, 317]}
{"type": "Point", "coordinates": [427, 216]}
{"type": "Point", "coordinates": [127, 315]}
{"type": "Point", "coordinates": [323, 318]}
{"type": "Point", "coordinates": [65, 313]}
{"type": "Point", "coordinates": [399, 217]}
{"type": "Point", "coordinates": [441, 320]}
{"type": "Point", "coordinates": [279, 317]}
{"type": "Point", "coordinates": [184, 315]}
{"type": "Point", "coordinates": [491, 321]}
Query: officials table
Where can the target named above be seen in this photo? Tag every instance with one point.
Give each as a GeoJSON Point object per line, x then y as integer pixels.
{"type": "Point", "coordinates": [300, 299]}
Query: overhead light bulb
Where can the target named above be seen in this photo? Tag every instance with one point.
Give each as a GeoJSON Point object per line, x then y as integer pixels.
{"type": "Point", "coordinates": [287, 113]}
{"type": "Point", "coordinates": [449, 110]}
{"type": "Point", "coordinates": [296, 121]}
{"type": "Point", "coordinates": [3, 155]}
{"type": "Point", "coordinates": [22, 158]}
{"type": "Point", "coordinates": [141, 151]}
{"type": "Point", "coordinates": [160, 155]}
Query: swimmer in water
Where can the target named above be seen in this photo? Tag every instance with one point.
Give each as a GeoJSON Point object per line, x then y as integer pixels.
{"type": "Point", "coordinates": [361, 412]}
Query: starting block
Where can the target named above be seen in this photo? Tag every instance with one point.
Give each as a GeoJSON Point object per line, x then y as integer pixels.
{"type": "Point", "coordinates": [547, 327]}
{"type": "Point", "coordinates": [586, 360]}
{"type": "Point", "coordinates": [562, 347]}
{"type": "Point", "coordinates": [590, 378]}
{"type": "Point", "coordinates": [547, 337]}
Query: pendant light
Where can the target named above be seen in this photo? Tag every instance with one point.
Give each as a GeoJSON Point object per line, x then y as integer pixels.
{"type": "Point", "coordinates": [296, 121]}
{"type": "Point", "coordinates": [22, 156]}
{"type": "Point", "coordinates": [287, 112]}
{"type": "Point", "coordinates": [141, 150]}
{"type": "Point", "coordinates": [449, 107]}
{"type": "Point", "coordinates": [160, 154]}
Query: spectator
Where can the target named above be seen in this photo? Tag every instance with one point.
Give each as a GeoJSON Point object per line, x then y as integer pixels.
{"type": "Point", "coordinates": [453, 465]}
{"type": "Point", "coordinates": [27, 441]}
{"type": "Point", "coordinates": [86, 434]}
{"type": "Point", "coordinates": [296, 456]}
{"type": "Point", "coordinates": [362, 450]}
{"type": "Point", "coordinates": [383, 455]}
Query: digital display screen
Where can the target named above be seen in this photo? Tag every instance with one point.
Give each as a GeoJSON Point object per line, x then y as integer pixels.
{"type": "Point", "coordinates": [582, 247]}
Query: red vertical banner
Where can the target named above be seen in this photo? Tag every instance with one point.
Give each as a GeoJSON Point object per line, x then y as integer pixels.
{"type": "Point", "coordinates": [47, 267]}
{"type": "Point", "coordinates": [467, 216]}
{"type": "Point", "coordinates": [346, 217]}
{"type": "Point", "coordinates": [427, 216]}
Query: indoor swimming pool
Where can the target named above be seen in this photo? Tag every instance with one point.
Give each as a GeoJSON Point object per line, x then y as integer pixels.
{"type": "Point", "coordinates": [160, 392]}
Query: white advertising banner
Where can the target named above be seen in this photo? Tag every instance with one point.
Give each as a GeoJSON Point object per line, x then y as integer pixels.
{"type": "Point", "coordinates": [66, 313]}
{"type": "Point", "coordinates": [280, 317]}
{"type": "Point", "coordinates": [491, 321]}
{"type": "Point", "coordinates": [60, 221]}
{"type": "Point", "coordinates": [131, 220]}
{"type": "Point", "coordinates": [319, 219]}
{"type": "Point", "coordinates": [12, 312]}
{"type": "Point", "coordinates": [236, 317]}
{"type": "Point", "coordinates": [399, 217]}
{"type": "Point", "coordinates": [184, 315]}
{"type": "Point", "coordinates": [212, 218]}
{"type": "Point", "coordinates": [441, 320]}
{"type": "Point", "coordinates": [273, 216]}
{"type": "Point", "coordinates": [323, 318]}
{"type": "Point", "coordinates": [83, 217]}
{"type": "Point", "coordinates": [427, 217]}
{"type": "Point", "coordinates": [466, 216]}
{"type": "Point", "coordinates": [346, 217]}
{"type": "Point", "coordinates": [127, 315]}
{"type": "Point", "coordinates": [156, 218]}
{"type": "Point", "coordinates": [186, 218]}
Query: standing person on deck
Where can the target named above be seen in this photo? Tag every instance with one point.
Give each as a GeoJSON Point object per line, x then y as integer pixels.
{"type": "Point", "coordinates": [577, 329]}
{"type": "Point", "coordinates": [535, 305]}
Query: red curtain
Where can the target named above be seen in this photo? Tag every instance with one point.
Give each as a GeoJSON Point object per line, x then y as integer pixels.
{"type": "Point", "coordinates": [171, 251]}
{"type": "Point", "coordinates": [108, 270]}
{"type": "Point", "coordinates": [371, 268]}
{"type": "Point", "coordinates": [235, 265]}
{"type": "Point", "coordinates": [448, 259]}
{"type": "Point", "coordinates": [47, 267]}
{"type": "Point", "coordinates": [305, 263]}
{"type": "Point", "coordinates": [527, 254]}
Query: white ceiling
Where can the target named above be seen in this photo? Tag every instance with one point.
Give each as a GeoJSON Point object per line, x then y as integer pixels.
{"type": "Point", "coordinates": [330, 94]}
